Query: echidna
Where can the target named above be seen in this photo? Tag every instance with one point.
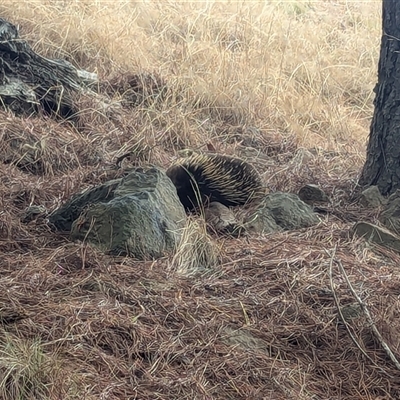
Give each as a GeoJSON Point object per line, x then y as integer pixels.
{"type": "Point", "coordinates": [214, 177]}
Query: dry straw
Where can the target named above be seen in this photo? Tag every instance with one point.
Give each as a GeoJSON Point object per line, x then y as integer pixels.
{"type": "Point", "coordinates": [196, 253]}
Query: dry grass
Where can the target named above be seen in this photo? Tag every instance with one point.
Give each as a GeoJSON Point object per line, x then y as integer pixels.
{"type": "Point", "coordinates": [196, 252]}
{"type": "Point", "coordinates": [286, 85]}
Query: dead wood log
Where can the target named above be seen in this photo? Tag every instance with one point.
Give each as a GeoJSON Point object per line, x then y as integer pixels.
{"type": "Point", "coordinates": [30, 83]}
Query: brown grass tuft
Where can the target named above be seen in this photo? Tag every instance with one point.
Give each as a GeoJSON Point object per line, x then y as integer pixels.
{"type": "Point", "coordinates": [196, 253]}
{"type": "Point", "coordinates": [26, 371]}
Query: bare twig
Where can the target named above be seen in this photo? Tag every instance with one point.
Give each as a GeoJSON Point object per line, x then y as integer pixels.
{"type": "Point", "coordinates": [342, 316]}
{"type": "Point", "coordinates": [369, 318]}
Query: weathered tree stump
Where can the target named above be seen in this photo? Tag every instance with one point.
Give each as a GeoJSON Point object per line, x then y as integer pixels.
{"type": "Point", "coordinates": [30, 83]}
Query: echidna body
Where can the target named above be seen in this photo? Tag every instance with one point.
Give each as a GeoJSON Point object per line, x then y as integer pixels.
{"type": "Point", "coordinates": [214, 177]}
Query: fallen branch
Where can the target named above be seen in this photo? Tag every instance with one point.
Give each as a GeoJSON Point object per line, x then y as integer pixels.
{"type": "Point", "coordinates": [30, 83]}
{"type": "Point", "coordinates": [364, 308]}
{"type": "Point", "coordinates": [345, 323]}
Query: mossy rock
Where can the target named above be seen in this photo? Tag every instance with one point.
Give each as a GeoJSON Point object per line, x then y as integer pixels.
{"type": "Point", "coordinates": [279, 211]}
{"type": "Point", "coordinates": [139, 215]}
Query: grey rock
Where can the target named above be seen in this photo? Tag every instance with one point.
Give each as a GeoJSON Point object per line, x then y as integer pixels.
{"type": "Point", "coordinates": [281, 211]}
{"type": "Point", "coordinates": [261, 221]}
{"type": "Point", "coordinates": [63, 218]}
{"type": "Point", "coordinates": [33, 212]}
{"type": "Point", "coordinates": [351, 311]}
{"type": "Point", "coordinates": [312, 194]}
{"type": "Point", "coordinates": [376, 234]}
{"type": "Point", "coordinates": [243, 339]}
{"type": "Point", "coordinates": [371, 197]}
{"type": "Point", "coordinates": [139, 215]}
{"type": "Point", "coordinates": [390, 216]}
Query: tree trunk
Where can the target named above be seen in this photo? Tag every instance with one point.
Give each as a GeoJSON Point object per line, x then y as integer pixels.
{"type": "Point", "coordinates": [31, 83]}
{"type": "Point", "coordinates": [382, 166]}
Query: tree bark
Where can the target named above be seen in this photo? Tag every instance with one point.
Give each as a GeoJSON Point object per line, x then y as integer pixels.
{"type": "Point", "coordinates": [382, 166]}
{"type": "Point", "coordinates": [31, 83]}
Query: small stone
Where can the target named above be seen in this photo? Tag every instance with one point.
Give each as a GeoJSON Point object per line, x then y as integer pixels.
{"type": "Point", "coordinates": [261, 222]}
{"type": "Point", "coordinates": [371, 197]}
{"type": "Point", "coordinates": [279, 211]}
{"type": "Point", "coordinates": [311, 194]}
{"type": "Point", "coordinates": [243, 339]}
{"type": "Point", "coordinates": [351, 311]}
{"type": "Point", "coordinates": [376, 234]}
{"type": "Point", "coordinates": [390, 216]}
{"type": "Point", "coordinates": [33, 212]}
